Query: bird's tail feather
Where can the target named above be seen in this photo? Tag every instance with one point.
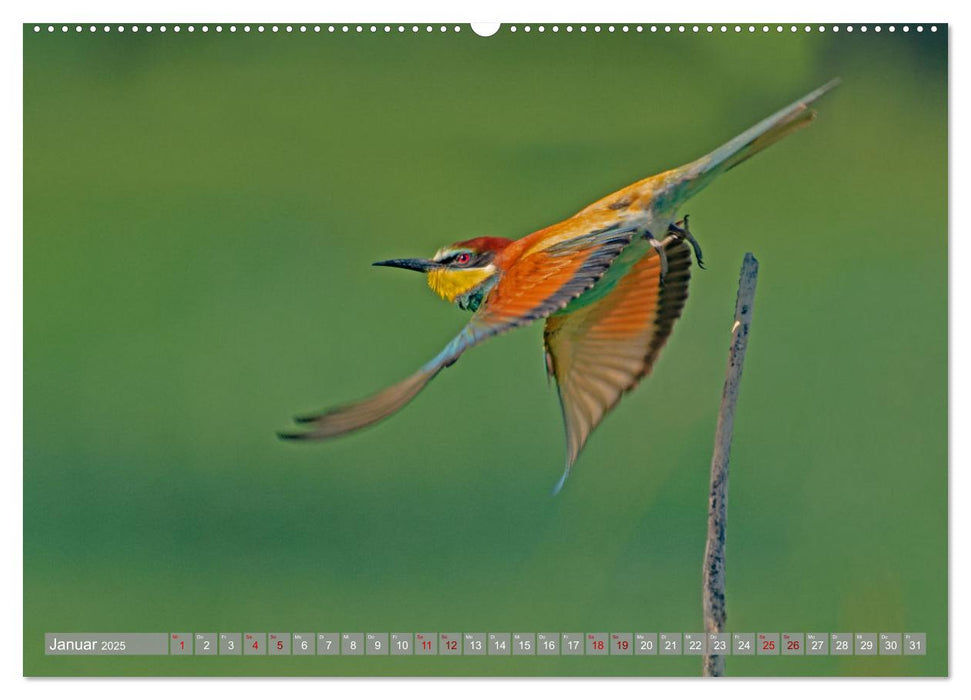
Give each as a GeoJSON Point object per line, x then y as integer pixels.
{"type": "Point", "coordinates": [690, 179]}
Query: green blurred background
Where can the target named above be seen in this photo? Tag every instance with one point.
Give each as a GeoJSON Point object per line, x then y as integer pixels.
{"type": "Point", "coordinates": [200, 213]}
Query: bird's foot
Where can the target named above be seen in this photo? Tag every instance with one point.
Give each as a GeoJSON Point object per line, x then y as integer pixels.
{"type": "Point", "coordinates": [679, 231]}
{"type": "Point", "coordinates": [661, 252]}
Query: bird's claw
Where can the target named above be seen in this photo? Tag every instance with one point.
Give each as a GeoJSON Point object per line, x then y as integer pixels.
{"type": "Point", "coordinates": [676, 232]}
{"type": "Point", "coordinates": [680, 231]}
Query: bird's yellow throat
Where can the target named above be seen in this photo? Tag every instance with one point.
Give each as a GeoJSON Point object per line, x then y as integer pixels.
{"type": "Point", "coordinates": [450, 283]}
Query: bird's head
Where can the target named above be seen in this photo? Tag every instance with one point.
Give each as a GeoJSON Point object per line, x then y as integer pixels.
{"type": "Point", "coordinates": [458, 269]}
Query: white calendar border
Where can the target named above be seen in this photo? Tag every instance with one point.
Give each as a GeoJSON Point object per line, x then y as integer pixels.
{"type": "Point", "coordinates": [11, 278]}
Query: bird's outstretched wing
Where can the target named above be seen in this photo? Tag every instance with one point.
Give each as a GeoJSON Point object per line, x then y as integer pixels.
{"type": "Point", "coordinates": [535, 286]}
{"type": "Point", "coordinates": [602, 350]}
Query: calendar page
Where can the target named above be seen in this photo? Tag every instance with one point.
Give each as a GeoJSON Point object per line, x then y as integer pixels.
{"type": "Point", "coordinates": [417, 349]}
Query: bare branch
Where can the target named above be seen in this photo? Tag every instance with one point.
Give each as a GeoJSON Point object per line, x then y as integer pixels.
{"type": "Point", "coordinates": [713, 585]}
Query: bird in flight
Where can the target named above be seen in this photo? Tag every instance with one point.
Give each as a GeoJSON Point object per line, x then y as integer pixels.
{"type": "Point", "coordinates": [610, 281]}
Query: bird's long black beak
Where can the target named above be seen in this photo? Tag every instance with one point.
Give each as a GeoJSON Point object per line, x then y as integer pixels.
{"type": "Point", "coordinates": [416, 264]}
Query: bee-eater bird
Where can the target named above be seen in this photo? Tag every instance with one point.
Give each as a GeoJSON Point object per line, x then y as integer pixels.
{"type": "Point", "coordinates": [610, 281]}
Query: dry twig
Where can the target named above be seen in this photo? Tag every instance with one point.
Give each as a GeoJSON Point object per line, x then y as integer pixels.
{"type": "Point", "coordinates": [713, 585]}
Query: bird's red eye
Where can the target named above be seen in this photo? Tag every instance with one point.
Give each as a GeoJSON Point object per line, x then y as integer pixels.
{"type": "Point", "coordinates": [462, 258]}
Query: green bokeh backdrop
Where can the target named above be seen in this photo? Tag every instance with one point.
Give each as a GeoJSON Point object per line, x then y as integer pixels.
{"type": "Point", "coordinates": [200, 212]}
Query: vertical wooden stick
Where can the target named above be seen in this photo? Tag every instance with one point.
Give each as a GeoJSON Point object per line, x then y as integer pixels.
{"type": "Point", "coordinates": [713, 585]}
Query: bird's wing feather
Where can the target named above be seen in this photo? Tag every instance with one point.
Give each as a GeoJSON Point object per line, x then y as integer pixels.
{"type": "Point", "coordinates": [603, 349]}
{"type": "Point", "coordinates": [546, 279]}
{"type": "Point", "coordinates": [540, 283]}
{"type": "Point", "coordinates": [350, 417]}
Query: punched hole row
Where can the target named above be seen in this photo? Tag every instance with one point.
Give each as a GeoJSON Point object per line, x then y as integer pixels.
{"type": "Point", "coordinates": [428, 28]}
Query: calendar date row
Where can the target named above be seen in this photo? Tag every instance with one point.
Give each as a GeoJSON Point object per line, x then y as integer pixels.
{"type": "Point", "coordinates": [550, 644]}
